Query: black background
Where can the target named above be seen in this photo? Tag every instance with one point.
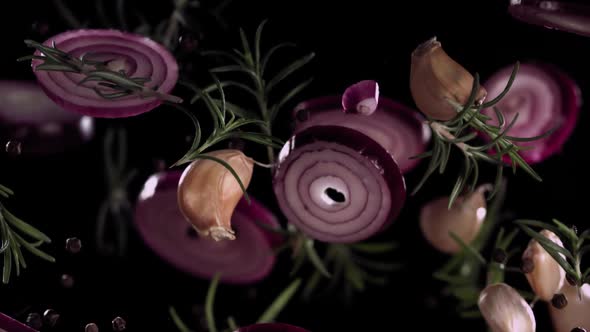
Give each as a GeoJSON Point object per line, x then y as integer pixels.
{"type": "Point", "coordinates": [359, 40]}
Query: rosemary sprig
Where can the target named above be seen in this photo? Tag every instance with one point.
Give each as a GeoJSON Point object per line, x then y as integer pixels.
{"type": "Point", "coordinates": [11, 242]}
{"type": "Point", "coordinates": [353, 267]}
{"type": "Point", "coordinates": [269, 315]}
{"type": "Point", "coordinates": [467, 126]}
{"type": "Point", "coordinates": [252, 63]}
{"type": "Point", "coordinates": [227, 124]}
{"type": "Point", "coordinates": [117, 203]}
{"type": "Point", "coordinates": [568, 257]}
{"type": "Point", "coordinates": [110, 84]}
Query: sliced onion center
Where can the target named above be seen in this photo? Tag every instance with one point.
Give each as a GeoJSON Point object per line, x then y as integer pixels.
{"type": "Point", "coordinates": [329, 191]}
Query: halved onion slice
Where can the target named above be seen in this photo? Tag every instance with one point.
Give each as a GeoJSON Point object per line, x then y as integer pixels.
{"type": "Point", "coordinates": [399, 129]}
{"type": "Point", "coordinates": [271, 327]}
{"type": "Point", "coordinates": [545, 98]}
{"type": "Point", "coordinates": [9, 324]}
{"type": "Point", "coordinates": [42, 127]}
{"type": "Point", "coordinates": [159, 221]}
{"type": "Point", "coordinates": [570, 16]}
{"type": "Point", "coordinates": [137, 55]}
{"type": "Point", "coordinates": [337, 184]}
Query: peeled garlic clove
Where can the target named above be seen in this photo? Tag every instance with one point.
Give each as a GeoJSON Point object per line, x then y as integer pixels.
{"type": "Point", "coordinates": [547, 276]}
{"type": "Point", "coordinates": [208, 193]}
{"type": "Point", "coordinates": [361, 98]}
{"type": "Point", "coordinates": [464, 219]}
{"type": "Point", "coordinates": [505, 310]}
{"type": "Point", "coordinates": [576, 313]}
{"type": "Point", "coordinates": [436, 79]}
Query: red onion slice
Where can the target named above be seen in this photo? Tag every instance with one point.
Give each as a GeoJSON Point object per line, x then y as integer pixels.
{"type": "Point", "coordinates": [271, 327]}
{"type": "Point", "coordinates": [361, 98]}
{"type": "Point", "coordinates": [8, 324]}
{"type": "Point", "coordinates": [560, 15]}
{"type": "Point", "coordinates": [545, 98]}
{"type": "Point", "coordinates": [159, 221]}
{"type": "Point", "coordinates": [336, 184]}
{"type": "Point", "coordinates": [137, 55]}
{"type": "Point", "coordinates": [399, 129]}
{"type": "Point", "coordinates": [28, 116]}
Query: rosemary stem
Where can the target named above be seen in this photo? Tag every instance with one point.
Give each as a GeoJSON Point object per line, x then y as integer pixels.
{"type": "Point", "coordinates": [441, 130]}
{"type": "Point", "coordinates": [172, 28]}
{"type": "Point", "coordinates": [67, 14]}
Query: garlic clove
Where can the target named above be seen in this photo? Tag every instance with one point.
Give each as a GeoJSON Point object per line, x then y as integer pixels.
{"type": "Point", "coordinates": [436, 79]}
{"type": "Point", "coordinates": [576, 313]}
{"type": "Point", "coordinates": [546, 277]}
{"type": "Point", "coordinates": [208, 193]}
{"type": "Point", "coordinates": [505, 310]}
{"type": "Point", "coordinates": [464, 219]}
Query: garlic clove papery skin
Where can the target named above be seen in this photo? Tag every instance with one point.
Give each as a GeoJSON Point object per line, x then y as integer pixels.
{"type": "Point", "coordinates": [576, 313]}
{"type": "Point", "coordinates": [208, 193]}
{"type": "Point", "coordinates": [436, 80]}
{"type": "Point", "coordinates": [465, 219]}
{"type": "Point", "coordinates": [504, 310]}
{"type": "Point", "coordinates": [547, 276]}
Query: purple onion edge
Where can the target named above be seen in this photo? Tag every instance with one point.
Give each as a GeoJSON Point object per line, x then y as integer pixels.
{"type": "Point", "coordinates": [334, 102]}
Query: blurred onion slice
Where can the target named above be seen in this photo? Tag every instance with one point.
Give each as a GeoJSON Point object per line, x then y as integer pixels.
{"type": "Point", "coordinates": [570, 16]}
{"type": "Point", "coordinates": [545, 99]}
{"type": "Point", "coordinates": [32, 120]}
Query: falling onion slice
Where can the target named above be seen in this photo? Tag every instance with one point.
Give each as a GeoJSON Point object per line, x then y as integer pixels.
{"type": "Point", "coordinates": [570, 16]}
{"type": "Point", "coordinates": [397, 128]}
{"type": "Point", "coordinates": [545, 99]}
{"type": "Point", "coordinates": [137, 55]}
{"type": "Point", "coordinates": [29, 117]}
{"type": "Point", "coordinates": [337, 184]}
{"type": "Point", "coordinates": [249, 258]}
{"type": "Point", "coordinates": [8, 324]}
{"type": "Point", "coordinates": [271, 327]}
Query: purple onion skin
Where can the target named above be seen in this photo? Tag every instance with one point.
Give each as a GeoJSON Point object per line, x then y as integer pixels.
{"type": "Point", "coordinates": [571, 105]}
{"type": "Point", "coordinates": [178, 250]}
{"type": "Point", "coordinates": [361, 98]}
{"type": "Point", "coordinates": [366, 148]}
{"type": "Point", "coordinates": [387, 110]}
{"type": "Point", "coordinates": [271, 327]}
{"type": "Point", "coordinates": [41, 126]}
{"type": "Point", "coordinates": [9, 324]}
{"type": "Point", "coordinates": [569, 17]}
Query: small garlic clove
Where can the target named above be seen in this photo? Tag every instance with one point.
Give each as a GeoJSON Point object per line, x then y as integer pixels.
{"type": "Point", "coordinates": [464, 219]}
{"type": "Point", "coordinates": [361, 98]}
{"type": "Point", "coordinates": [208, 193]}
{"type": "Point", "coordinates": [436, 79]}
{"type": "Point", "coordinates": [546, 277]}
{"type": "Point", "coordinates": [505, 310]}
{"type": "Point", "coordinates": [576, 313]}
